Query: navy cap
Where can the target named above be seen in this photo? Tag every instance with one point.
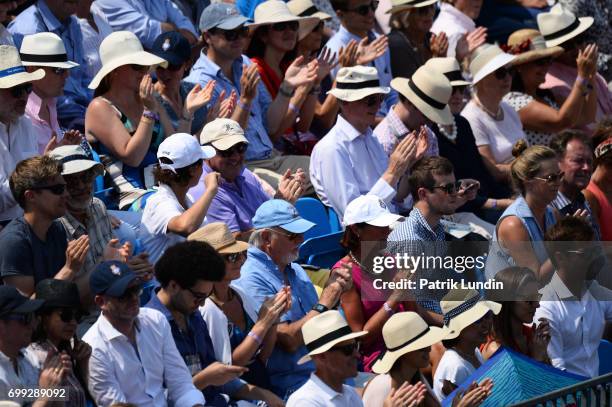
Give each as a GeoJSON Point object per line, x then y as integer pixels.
{"type": "Point", "coordinates": [221, 15]}
{"type": "Point", "coordinates": [12, 302]}
{"type": "Point", "coordinates": [278, 212]}
{"type": "Point", "coordinates": [173, 47]}
{"type": "Point", "coordinates": [111, 278]}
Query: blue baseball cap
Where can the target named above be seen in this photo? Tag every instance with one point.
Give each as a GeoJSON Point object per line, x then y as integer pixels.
{"type": "Point", "coordinates": [111, 278]}
{"type": "Point", "coordinates": [12, 302]}
{"type": "Point", "coordinates": [277, 212]}
{"type": "Point", "coordinates": [173, 47]}
{"type": "Point", "coordinates": [221, 15]}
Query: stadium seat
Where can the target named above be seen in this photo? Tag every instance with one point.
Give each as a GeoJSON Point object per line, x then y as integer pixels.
{"type": "Point", "coordinates": [322, 251]}
{"type": "Point", "coordinates": [605, 357]}
{"type": "Point", "coordinates": [313, 210]}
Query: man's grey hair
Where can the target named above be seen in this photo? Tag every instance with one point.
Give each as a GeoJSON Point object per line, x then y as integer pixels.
{"type": "Point", "coordinates": [256, 239]}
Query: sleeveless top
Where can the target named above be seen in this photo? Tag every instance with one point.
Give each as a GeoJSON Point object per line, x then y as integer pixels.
{"type": "Point", "coordinates": [499, 258]}
{"type": "Point", "coordinates": [132, 182]}
{"type": "Point", "coordinates": [605, 211]}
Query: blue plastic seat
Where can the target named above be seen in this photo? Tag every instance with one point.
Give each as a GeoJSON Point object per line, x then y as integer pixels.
{"type": "Point", "coordinates": [334, 221]}
{"type": "Point", "coordinates": [313, 210]}
{"type": "Point", "coordinates": [605, 357]}
{"type": "Point", "coordinates": [322, 251]}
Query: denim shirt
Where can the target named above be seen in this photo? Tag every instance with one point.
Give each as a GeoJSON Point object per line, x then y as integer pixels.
{"type": "Point", "coordinates": [261, 278]}
{"type": "Point", "coordinates": [71, 106]}
{"type": "Point", "coordinates": [205, 70]}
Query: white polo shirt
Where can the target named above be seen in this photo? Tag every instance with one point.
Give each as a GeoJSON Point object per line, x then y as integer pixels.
{"type": "Point", "coordinates": [315, 393]}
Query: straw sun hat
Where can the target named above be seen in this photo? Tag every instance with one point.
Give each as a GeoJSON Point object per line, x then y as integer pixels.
{"type": "Point", "coordinates": [559, 25]}
{"type": "Point", "coordinates": [401, 5]}
{"type": "Point", "coordinates": [357, 82]}
{"type": "Point", "coordinates": [122, 48]}
{"type": "Point", "coordinates": [218, 235]}
{"type": "Point", "coordinates": [45, 49]}
{"type": "Point", "coordinates": [305, 8]}
{"type": "Point", "coordinates": [448, 67]}
{"type": "Point", "coordinates": [462, 307]}
{"type": "Point", "coordinates": [12, 71]}
{"type": "Point", "coordinates": [528, 45]}
{"type": "Point", "coordinates": [276, 11]}
{"type": "Point", "coordinates": [487, 59]}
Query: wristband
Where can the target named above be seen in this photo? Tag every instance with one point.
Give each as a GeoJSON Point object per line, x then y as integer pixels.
{"type": "Point", "coordinates": [150, 115]}
{"type": "Point", "coordinates": [255, 337]}
{"type": "Point", "coordinates": [320, 308]}
{"type": "Point", "coordinates": [294, 109]}
{"type": "Point", "coordinates": [283, 91]}
{"type": "Point", "coordinates": [243, 106]}
{"type": "Point", "coordinates": [388, 309]}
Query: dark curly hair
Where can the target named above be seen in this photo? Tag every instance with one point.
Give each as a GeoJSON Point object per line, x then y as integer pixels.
{"type": "Point", "coordinates": [188, 262]}
{"type": "Point", "coordinates": [181, 177]}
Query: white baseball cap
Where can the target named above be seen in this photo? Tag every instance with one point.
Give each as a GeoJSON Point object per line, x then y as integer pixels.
{"type": "Point", "coordinates": [183, 149]}
{"type": "Point", "coordinates": [369, 209]}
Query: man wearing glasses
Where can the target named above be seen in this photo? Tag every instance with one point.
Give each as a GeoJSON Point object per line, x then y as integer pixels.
{"type": "Point", "coordinates": [134, 358]}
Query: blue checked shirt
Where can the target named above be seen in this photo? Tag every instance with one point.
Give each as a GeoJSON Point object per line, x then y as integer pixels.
{"type": "Point", "coordinates": [37, 18]}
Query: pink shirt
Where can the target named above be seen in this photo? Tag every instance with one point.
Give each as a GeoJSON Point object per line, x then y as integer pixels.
{"type": "Point", "coordinates": [42, 129]}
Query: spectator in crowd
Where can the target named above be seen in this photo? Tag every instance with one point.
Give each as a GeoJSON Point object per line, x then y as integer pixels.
{"type": "Point", "coordinates": [467, 322]}
{"type": "Point", "coordinates": [599, 191]}
{"type": "Point", "coordinates": [577, 309]}
{"type": "Point", "coordinates": [357, 26]}
{"type": "Point", "coordinates": [59, 316]}
{"type": "Point", "coordinates": [224, 32]}
{"type": "Point", "coordinates": [147, 19]}
{"type": "Point", "coordinates": [436, 193]}
{"type": "Point", "coordinates": [411, 43]}
{"type": "Point", "coordinates": [43, 51]}
{"type": "Point", "coordinates": [94, 28]}
{"type": "Point", "coordinates": [125, 117]}
{"type": "Point", "coordinates": [519, 233]}
{"type": "Point", "coordinates": [187, 272]}
{"type": "Point", "coordinates": [368, 223]}
{"type": "Point", "coordinates": [170, 215]}
{"type": "Point", "coordinates": [349, 155]}
{"type": "Point", "coordinates": [558, 28]}
{"type": "Point", "coordinates": [247, 9]}
{"type": "Point", "coordinates": [6, 38]}
{"type": "Point", "coordinates": [334, 349]}
{"type": "Point", "coordinates": [56, 16]}
{"type": "Point", "coordinates": [17, 138]}
{"type": "Point", "coordinates": [513, 327]}
{"type": "Point", "coordinates": [540, 115]}
{"type": "Point", "coordinates": [456, 143]}
{"type": "Point", "coordinates": [239, 335]}
{"type": "Point", "coordinates": [456, 20]}
{"type": "Point", "coordinates": [495, 124]}
{"type": "Point", "coordinates": [270, 267]}
{"type": "Point", "coordinates": [134, 358]}
{"type": "Point", "coordinates": [34, 247]}
{"type": "Point", "coordinates": [192, 9]}
{"type": "Point", "coordinates": [240, 193]}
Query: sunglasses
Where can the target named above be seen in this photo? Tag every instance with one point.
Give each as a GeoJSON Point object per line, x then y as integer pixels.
{"type": "Point", "coordinates": [67, 315]}
{"type": "Point", "coordinates": [25, 319]}
{"type": "Point", "coordinates": [373, 100]}
{"type": "Point", "coordinates": [348, 350]}
{"type": "Point", "coordinates": [552, 178]}
{"type": "Point", "coordinates": [58, 71]}
{"type": "Point", "coordinates": [57, 189]}
{"type": "Point", "coordinates": [502, 72]}
{"type": "Point", "coordinates": [286, 25]}
{"type": "Point", "coordinates": [291, 236]}
{"type": "Point", "coordinates": [239, 148]}
{"type": "Point", "coordinates": [574, 43]}
{"type": "Point", "coordinates": [364, 9]}
{"type": "Point", "coordinates": [85, 177]}
{"type": "Point", "coordinates": [450, 188]}
{"type": "Point", "coordinates": [139, 68]}
{"type": "Point", "coordinates": [130, 293]}
{"type": "Point", "coordinates": [18, 91]}
{"type": "Point", "coordinates": [234, 257]}
{"type": "Point", "coordinates": [199, 297]}
{"type": "Point", "coordinates": [232, 35]}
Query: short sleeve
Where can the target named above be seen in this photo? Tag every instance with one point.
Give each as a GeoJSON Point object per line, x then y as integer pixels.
{"type": "Point", "coordinates": [157, 219]}
{"type": "Point", "coordinates": [16, 257]}
{"type": "Point", "coordinates": [518, 100]}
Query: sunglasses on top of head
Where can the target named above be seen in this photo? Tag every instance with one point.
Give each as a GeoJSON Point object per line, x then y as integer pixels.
{"type": "Point", "coordinates": [286, 25]}
{"type": "Point", "coordinates": [364, 9]}
{"type": "Point", "coordinates": [501, 73]}
{"type": "Point", "coordinates": [232, 35]}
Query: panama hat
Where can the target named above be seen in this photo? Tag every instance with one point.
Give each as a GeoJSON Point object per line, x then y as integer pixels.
{"type": "Point", "coordinates": [45, 49]}
{"type": "Point", "coordinates": [74, 160]}
{"type": "Point", "coordinates": [559, 25]}
{"type": "Point", "coordinates": [218, 235]}
{"type": "Point", "coordinates": [430, 91]}
{"type": "Point", "coordinates": [305, 8]}
{"type": "Point", "coordinates": [486, 59]}
{"type": "Point", "coordinates": [122, 48]}
{"type": "Point", "coordinates": [357, 82]}
{"type": "Point", "coordinates": [276, 11]}
{"type": "Point", "coordinates": [448, 67]}
{"type": "Point", "coordinates": [405, 332]}
{"type": "Point", "coordinates": [369, 209]}
{"type": "Point", "coordinates": [401, 5]}
{"type": "Point", "coordinates": [12, 71]}
{"type": "Point", "coordinates": [529, 45]}
{"type": "Point", "coordinates": [463, 307]}
{"type": "Point", "coordinates": [325, 330]}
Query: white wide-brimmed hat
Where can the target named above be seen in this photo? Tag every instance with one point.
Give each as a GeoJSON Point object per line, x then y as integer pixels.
{"type": "Point", "coordinates": [486, 59]}
{"type": "Point", "coordinates": [450, 68]}
{"type": "Point", "coordinates": [305, 8]}
{"type": "Point", "coordinates": [559, 25]}
{"type": "Point", "coordinates": [401, 5]}
{"type": "Point", "coordinates": [276, 11]}
{"type": "Point", "coordinates": [463, 307]}
{"type": "Point", "coordinates": [123, 48]}
{"type": "Point", "coordinates": [369, 209]}
{"type": "Point", "coordinates": [357, 82]}
{"type": "Point", "coordinates": [405, 332]}
{"type": "Point", "coordinates": [75, 160]}
{"type": "Point", "coordinates": [429, 91]}
{"type": "Point", "coordinates": [325, 330]}
{"type": "Point", "coordinates": [45, 49]}
{"type": "Point", "coordinates": [12, 71]}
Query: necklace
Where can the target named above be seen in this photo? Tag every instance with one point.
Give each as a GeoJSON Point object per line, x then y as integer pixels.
{"type": "Point", "coordinates": [499, 115]}
{"type": "Point", "coordinates": [354, 259]}
{"type": "Point", "coordinates": [452, 135]}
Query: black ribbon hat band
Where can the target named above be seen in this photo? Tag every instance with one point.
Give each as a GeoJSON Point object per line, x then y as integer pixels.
{"type": "Point", "coordinates": [332, 336]}
{"type": "Point", "coordinates": [358, 85]}
{"type": "Point", "coordinates": [44, 58]}
{"type": "Point", "coordinates": [424, 97]}
{"type": "Point", "coordinates": [566, 30]}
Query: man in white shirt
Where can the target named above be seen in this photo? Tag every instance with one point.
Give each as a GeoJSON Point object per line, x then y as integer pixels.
{"type": "Point", "coordinates": [349, 155]}
{"type": "Point", "coordinates": [134, 358]}
{"type": "Point", "coordinates": [577, 309]}
{"type": "Point", "coordinates": [335, 351]}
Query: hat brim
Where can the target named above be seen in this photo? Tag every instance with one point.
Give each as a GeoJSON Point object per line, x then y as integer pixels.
{"type": "Point", "coordinates": [352, 95]}
{"type": "Point", "coordinates": [460, 83]}
{"type": "Point", "coordinates": [440, 116]}
{"type": "Point", "coordinates": [232, 23]}
{"type": "Point", "coordinates": [229, 142]}
{"type": "Point", "coordinates": [65, 65]}
{"type": "Point", "coordinates": [236, 247]}
{"type": "Point", "coordinates": [300, 225]}
{"type": "Point", "coordinates": [143, 58]}
{"type": "Point", "coordinates": [20, 78]}
{"type": "Point", "coordinates": [307, 24]}
{"type": "Point", "coordinates": [494, 64]}
{"type": "Point", "coordinates": [585, 24]}
{"type": "Point", "coordinates": [117, 289]}
{"type": "Point", "coordinates": [76, 166]}
{"type": "Point", "coordinates": [28, 306]}
{"type": "Point", "coordinates": [385, 364]}
{"type": "Point", "coordinates": [305, 30]}
{"type": "Point", "coordinates": [208, 152]}
{"type": "Point", "coordinates": [536, 54]}
{"type": "Point", "coordinates": [330, 345]}
{"type": "Point", "coordinates": [408, 6]}
{"type": "Point", "coordinates": [386, 220]}
{"type": "Point", "coordinates": [469, 316]}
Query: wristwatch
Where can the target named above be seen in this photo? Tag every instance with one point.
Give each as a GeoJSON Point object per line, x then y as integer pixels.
{"type": "Point", "coordinates": [320, 308]}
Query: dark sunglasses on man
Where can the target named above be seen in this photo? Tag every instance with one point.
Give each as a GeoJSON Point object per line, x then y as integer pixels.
{"type": "Point", "coordinates": [239, 148]}
{"type": "Point", "coordinates": [231, 35]}
{"type": "Point", "coordinates": [364, 9]}
{"type": "Point", "coordinates": [348, 350]}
